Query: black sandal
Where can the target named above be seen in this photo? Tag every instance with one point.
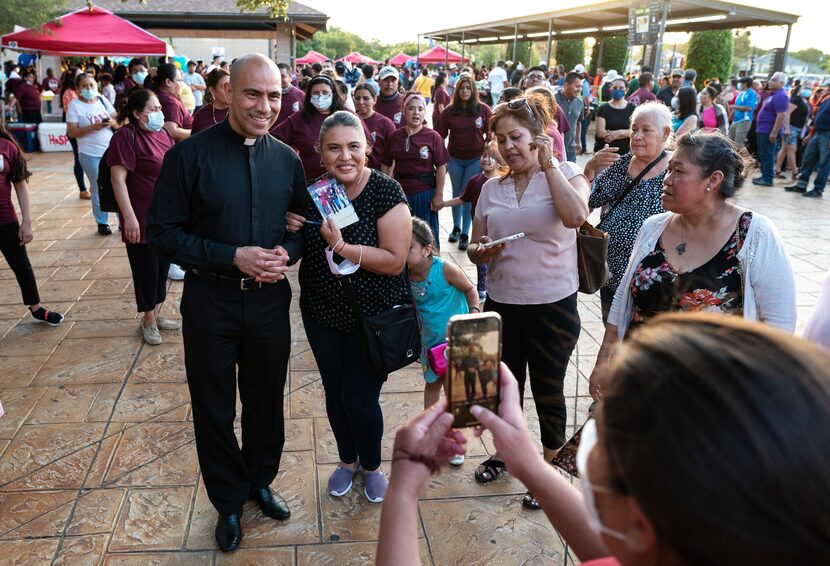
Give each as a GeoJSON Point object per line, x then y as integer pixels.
{"type": "Point", "coordinates": [529, 502]}
{"type": "Point", "coordinates": [494, 468]}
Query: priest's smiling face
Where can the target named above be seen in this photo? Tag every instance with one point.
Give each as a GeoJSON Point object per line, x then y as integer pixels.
{"type": "Point", "coordinates": [255, 92]}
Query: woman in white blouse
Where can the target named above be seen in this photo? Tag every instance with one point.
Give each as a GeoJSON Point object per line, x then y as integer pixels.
{"type": "Point", "coordinates": [704, 254]}
{"type": "Point", "coordinates": [532, 281]}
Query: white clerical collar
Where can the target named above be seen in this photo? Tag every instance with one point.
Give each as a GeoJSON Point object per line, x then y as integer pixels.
{"type": "Point", "coordinates": [249, 141]}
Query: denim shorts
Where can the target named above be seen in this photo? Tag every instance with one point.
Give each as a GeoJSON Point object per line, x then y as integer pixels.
{"type": "Point", "coordinates": [792, 138]}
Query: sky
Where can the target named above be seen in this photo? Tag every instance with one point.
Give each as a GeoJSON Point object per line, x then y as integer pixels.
{"type": "Point", "coordinates": [406, 20]}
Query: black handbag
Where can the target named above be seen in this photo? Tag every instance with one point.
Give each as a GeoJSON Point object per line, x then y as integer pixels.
{"type": "Point", "coordinates": [390, 339]}
{"type": "Point", "coordinates": [106, 192]}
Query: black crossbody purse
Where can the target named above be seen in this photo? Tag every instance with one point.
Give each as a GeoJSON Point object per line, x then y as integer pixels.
{"type": "Point", "coordinates": [390, 339]}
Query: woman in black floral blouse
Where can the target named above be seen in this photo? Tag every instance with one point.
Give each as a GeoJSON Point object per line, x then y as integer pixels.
{"type": "Point", "coordinates": [622, 213]}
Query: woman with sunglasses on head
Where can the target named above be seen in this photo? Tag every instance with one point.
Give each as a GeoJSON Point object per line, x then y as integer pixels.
{"type": "Point", "coordinates": [216, 101]}
{"type": "Point", "coordinates": [708, 447]}
{"type": "Point", "coordinates": [302, 129]}
{"type": "Point", "coordinates": [465, 121]}
{"type": "Point", "coordinates": [532, 281]}
{"type": "Point", "coordinates": [419, 159]}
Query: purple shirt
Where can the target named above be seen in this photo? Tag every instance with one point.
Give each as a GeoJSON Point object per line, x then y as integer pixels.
{"type": "Point", "coordinates": [291, 102]}
{"type": "Point", "coordinates": [174, 111]}
{"type": "Point", "coordinates": [421, 155]}
{"type": "Point", "coordinates": [778, 101]}
{"type": "Point", "coordinates": [391, 109]}
{"type": "Point", "coordinates": [381, 129]}
{"type": "Point", "coordinates": [206, 117]}
{"type": "Point", "coordinates": [9, 158]}
{"type": "Point", "coordinates": [466, 133]}
{"type": "Point", "coordinates": [140, 152]}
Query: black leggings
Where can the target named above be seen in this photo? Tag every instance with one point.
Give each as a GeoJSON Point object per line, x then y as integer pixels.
{"type": "Point", "coordinates": [352, 393]}
{"type": "Point", "coordinates": [149, 276]}
{"type": "Point", "coordinates": [541, 337]}
{"type": "Point", "coordinates": [78, 170]}
{"type": "Point", "coordinates": [18, 260]}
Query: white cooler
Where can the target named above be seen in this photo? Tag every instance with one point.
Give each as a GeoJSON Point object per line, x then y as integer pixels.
{"type": "Point", "coordinates": [52, 136]}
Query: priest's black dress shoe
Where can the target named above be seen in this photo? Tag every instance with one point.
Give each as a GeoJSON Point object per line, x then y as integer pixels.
{"type": "Point", "coordinates": [271, 503]}
{"type": "Point", "coordinates": [228, 532]}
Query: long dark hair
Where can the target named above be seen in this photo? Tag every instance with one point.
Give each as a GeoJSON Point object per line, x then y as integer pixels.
{"type": "Point", "coordinates": [336, 98]}
{"type": "Point", "coordinates": [471, 107]}
{"type": "Point", "coordinates": [163, 73]}
{"type": "Point", "coordinates": [20, 172]}
{"type": "Point", "coordinates": [212, 80]}
{"type": "Point", "coordinates": [135, 103]}
{"type": "Point", "coordinates": [718, 428]}
{"type": "Point", "coordinates": [686, 102]}
{"type": "Point", "coordinates": [120, 74]}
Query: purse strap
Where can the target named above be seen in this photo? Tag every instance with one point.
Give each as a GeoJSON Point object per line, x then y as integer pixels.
{"type": "Point", "coordinates": [636, 180]}
{"type": "Point", "coordinates": [351, 295]}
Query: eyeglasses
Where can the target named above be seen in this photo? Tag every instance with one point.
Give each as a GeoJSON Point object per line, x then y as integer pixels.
{"type": "Point", "coordinates": [536, 76]}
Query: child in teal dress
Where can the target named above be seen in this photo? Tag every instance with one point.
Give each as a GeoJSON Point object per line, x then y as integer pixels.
{"type": "Point", "coordinates": [441, 290]}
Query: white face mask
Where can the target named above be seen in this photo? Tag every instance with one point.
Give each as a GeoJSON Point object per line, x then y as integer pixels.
{"type": "Point", "coordinates": [321, 101]}
{"type": "Point", "coordinates": [345, 267]}
{"type": "Point", "coordinates": [586, 444]}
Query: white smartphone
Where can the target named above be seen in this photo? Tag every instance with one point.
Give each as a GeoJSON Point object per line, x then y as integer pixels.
{"type": "Point", "coordinates": [489, 245]}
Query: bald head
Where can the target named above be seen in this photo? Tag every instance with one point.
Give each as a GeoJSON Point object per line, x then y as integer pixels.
{"type": "Point", "coordinates": [255, 63]}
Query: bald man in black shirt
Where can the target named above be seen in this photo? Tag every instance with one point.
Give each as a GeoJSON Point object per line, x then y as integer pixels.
{"type": "Point", "coordinates": [219, 211]}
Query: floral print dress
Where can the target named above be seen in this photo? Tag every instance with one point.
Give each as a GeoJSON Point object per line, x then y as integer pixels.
{"type": "Point", "coordinates": [715, 286]}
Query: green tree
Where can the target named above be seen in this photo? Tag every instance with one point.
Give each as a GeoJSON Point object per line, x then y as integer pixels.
{"type": "Point", "coordinates": [488, 54]}
{"type": "Point", "coordinates": [275, 8]}
{"type": "Point", "coordinates": [812, 56]}
{"type": "Point", "coordinates": [710, 54]}
{"type": "Point", "coordinates": [29, 13]}
{"type": "Point", "coordinates": [570, 52]}
{"type": "Point", "coordinates": [614, 54]}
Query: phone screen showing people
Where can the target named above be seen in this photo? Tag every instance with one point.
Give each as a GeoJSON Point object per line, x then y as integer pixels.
{"type": "Point", "coordinates": [331, 199]}
{"type": "Point", "coordinates": [474, 353]}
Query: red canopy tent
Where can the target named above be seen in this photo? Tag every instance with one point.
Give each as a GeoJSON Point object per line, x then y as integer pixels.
{"type": "Point", "coordinates": [311, 57]}
{"type": "Point", "coordinates": [356, 57]}
{"type": "Point", "coordinates": [88, 31]}
{"type": "Point", "coordinates": [439, 54]}
{"type": "Point", "coordinates": [401, 59]}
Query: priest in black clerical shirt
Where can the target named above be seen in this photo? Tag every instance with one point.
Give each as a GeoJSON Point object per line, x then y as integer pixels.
{"type": "Point", "coordinates": [219, 211]}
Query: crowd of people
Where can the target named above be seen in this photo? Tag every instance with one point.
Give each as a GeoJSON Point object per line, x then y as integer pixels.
{"type": "Point", "coordinates": [219, 187]}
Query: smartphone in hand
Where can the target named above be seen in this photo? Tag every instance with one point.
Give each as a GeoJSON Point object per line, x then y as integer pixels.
{"type": "Point", "coordinates": [473, 357]}
{"type": "Point", "coordinates": [490, 244]}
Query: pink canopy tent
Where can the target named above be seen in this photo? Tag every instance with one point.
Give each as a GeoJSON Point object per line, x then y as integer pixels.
{"type": "Point", "coordinates": [439, 54]}
{"type": "Point", "coordinates": [311, 57]}
{"type": "Point", "coordinates": [88, 31]}
{"type": "Point", "coordinates": [401, 59]}
{"type": "Point", "coordinates": [356, 57]}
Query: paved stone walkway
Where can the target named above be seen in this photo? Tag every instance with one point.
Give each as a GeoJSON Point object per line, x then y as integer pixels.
{"type": "Point", "coordinates": [97, 458]}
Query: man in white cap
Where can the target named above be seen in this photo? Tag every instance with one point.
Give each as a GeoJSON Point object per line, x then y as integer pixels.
{"type": "Point", "coordinates": [389, 99]}
{"type": "Point", "coordinates": [666, 93]}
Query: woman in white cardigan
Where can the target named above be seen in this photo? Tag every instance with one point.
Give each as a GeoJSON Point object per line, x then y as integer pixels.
{"type": "Point", "coordinates": [704, 254]}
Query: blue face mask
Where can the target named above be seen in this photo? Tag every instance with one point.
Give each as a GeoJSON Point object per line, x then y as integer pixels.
{"type": "Point", "coordinates": [617, 94]}
{"type": "Point", "coordinates": [139, 78]}
{"type": "Point", "coordinates": [155, 121]}
{"type": "Point", "coordinates": [89, 93]}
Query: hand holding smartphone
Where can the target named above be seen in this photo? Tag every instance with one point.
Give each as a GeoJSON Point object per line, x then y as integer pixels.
{"type": "Point", "coordinates": [473, 357]}
{"type": "Point", "coordinates": [504, 240]}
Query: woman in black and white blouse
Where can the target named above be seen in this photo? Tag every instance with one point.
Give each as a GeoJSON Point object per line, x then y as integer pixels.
{"type": "Point", "coordinates": [622, 217]}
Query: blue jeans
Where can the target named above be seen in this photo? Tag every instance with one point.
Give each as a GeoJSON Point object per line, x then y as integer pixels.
{"type": "Point", "coordinates": [766, 155]}
{"type": "Point", "coordinates": [461, 171]}
{"type": "Point", "coordinates": [816, 158]}
{"type": "Point", "coordinates": [90, 166]}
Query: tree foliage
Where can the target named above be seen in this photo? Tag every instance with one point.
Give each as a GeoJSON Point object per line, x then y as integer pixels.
{"type": "Point", "coordinates": [614, 54]}
{"type": "Point", "coordinates": [710, 54]}
{"type": "Point", "coordinates": [275, 8]}
{"type": "Point", "coordinates": [28, 13]}
{"type": "Point", "coordinates": [570, 52]}
{"type": "Point", "coordinates": [338, 43]}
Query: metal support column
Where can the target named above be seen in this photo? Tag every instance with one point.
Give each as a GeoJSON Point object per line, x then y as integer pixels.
{"type": "Point", "coordinates": [657, 52]}
{"type": "Point", "coordinates": [550, 40]}
{"type": "Point", "coordinates": [463, 49]}
{"type": "Point", "coordinates": [787, 47]}
{"type": "Point", "coordinates": [446, 51]}
{"type": "Point", "coordinates": [515, 39]}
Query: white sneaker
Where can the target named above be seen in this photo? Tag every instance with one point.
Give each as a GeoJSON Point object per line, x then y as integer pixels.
{"type": "Point", "coordinates": [167, 323]}
{"type": "Point", "coordinates": [175, 272]}
{"type": "Point", "coordinates": [457, 460]}
{"type": "Point", "coordinates": [150, 334]}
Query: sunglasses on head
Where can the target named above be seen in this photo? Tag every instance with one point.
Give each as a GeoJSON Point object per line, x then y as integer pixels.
{"type": "Point", "coordinates": [537, 76]}
{"type": "Point", "coordinates": [517, 103]}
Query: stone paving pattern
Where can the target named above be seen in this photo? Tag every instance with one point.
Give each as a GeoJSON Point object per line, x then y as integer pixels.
{"type": "Point", "coordinates": [97, 457]}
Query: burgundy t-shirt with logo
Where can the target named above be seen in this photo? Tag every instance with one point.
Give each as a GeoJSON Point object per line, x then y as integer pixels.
{"type": "Point", "coordinates": [380, 129]}
{"type": "Point", "coordinates": [425, 153]}
{"type": "Point", "coordinates": [51, 83]}
{"type": "Point", "coordinates": [174, 110]}
{"type": "Point", "coordinates": [292, 102]}
{"type": "Point", "coordinates": [440, 96]}
{"type": "Point", "coordinates": [391, 109]}
{"type": "Point", "coordinates": [466, 132]}
{"type": "Point", "coordinates": [141, 153]}
{"type": "Point", "coordinates": [28, 96]}
{"type": "Point", "coordinates": [9, 157]}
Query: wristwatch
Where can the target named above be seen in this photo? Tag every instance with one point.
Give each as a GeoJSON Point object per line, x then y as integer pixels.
{"type": "Point", "coordinates": [553, 163]}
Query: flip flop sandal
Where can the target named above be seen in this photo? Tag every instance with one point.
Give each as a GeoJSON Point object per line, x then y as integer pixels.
{"type": "Point", "coordinates": [493, 469]}
{"type": "Point", "coordinates": [529, 502]}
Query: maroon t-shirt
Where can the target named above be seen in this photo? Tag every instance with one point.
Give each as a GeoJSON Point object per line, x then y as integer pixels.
{"type": "Point", "coordinates": [391, 109]}
{"type": "Point", "coordinates": [440, 96]}
{"type": "Point", "coordinates": [466, 132]}
{"type": "Point", "coordinates": [9, 162]}
{"type": "Point", "coordinates": [562, 121]}
{"type": "Point", "coordinates": [51, 83]}
{"type": "Point", "coordinates": [380, 129]}
{"type": "Point", "coordinates": [206, 117]}
{"type": "Point", "coordinates": [141, 153]}
{"type": "Point", "coordinates": [174, 110]}
{"type": "Point", "coordinates": [292, 101]}
{"type": "Point", "coordinates": [473, 190]}
{"type": "Point", "coordinates": [303, 137]}
{"type": "Point", "coordinates": [122, 90]}
{"type": "Point", "coordinates": [641, 96]}
{"type": "Point", "coordinates": [28, 96]}
{"type": "Point", "coordinates": [425, 153]}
